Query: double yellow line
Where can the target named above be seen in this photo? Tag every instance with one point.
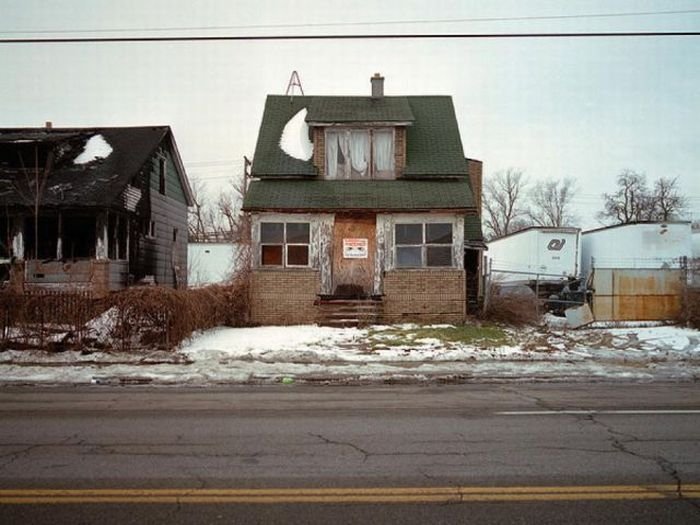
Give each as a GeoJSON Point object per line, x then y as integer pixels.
{"type": "Point", "coordinates": [347, 495]}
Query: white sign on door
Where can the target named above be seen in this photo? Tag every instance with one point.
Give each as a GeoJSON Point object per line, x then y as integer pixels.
{"type": "Point", "coordinates": [355, 248]}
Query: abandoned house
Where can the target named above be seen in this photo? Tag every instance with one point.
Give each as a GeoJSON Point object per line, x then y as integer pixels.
{"type": "Point", "coordinates": [92, 209]}
{"type": "Point", "coordinates": [363, 209]}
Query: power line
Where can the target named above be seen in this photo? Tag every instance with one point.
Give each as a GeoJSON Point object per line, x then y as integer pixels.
{"type": "Point", "coordinates": [379, 36]}
{"type": "Point", "coordinates": [365, 23]}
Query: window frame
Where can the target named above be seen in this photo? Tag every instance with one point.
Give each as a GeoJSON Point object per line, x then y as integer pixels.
{"type": "Point", "coordinates": [284, 244]}
{"type": "Point", "coordinates": [424, 246]}
{"type": "Point", "coordinates": [372, 171]}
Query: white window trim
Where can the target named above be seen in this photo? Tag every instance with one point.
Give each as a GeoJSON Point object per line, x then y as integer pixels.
{"type": "Point", "coordinates": [424, 245]}
{"type": "Point", "coordinates": [386, 223]}
{"type": "Point", "coordinates": [285, 244]}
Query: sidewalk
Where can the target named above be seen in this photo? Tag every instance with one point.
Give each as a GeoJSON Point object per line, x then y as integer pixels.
{"type": "Point", "coordinates": [380, 354]}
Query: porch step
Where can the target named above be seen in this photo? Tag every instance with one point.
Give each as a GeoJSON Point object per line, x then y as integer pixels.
{"type": "Point", "coordinates": [349, 312]}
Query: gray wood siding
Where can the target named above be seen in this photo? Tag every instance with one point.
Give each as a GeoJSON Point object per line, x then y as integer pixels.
{"type": "Point", "coordinates": [158, 255]}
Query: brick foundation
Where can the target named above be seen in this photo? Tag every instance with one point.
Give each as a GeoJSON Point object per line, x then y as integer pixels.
{"type": "Point", "coordinates": [284, 297]}
{"type": "Point", "coordinates": [425, 296]}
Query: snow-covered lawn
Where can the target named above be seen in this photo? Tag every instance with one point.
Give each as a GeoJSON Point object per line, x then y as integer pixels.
{"type": "Point", "coordinates": [378, 354]}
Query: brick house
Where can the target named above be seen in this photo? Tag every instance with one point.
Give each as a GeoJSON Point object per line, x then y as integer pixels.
{"type": "Point", "coordinates": [363, 209]}
{"type": "Point", "coordinates": [92, 209]}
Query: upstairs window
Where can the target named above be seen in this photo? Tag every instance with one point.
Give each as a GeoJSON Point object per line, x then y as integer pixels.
{"type": "Point", "coordinates": [360, 154]}
{"type": "Point", "coordinates": [162, 168]}
{"type": "Point", "coordinates": [284, 244]}
{"type": "Point", "coordinates": [423, 245]}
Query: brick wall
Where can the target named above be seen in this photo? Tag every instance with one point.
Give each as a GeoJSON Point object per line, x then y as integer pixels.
{"type": "Point", "coordinates": [400, 150]}
{"type": "Point", "coordinates": [319, 155]}
{"type": "Point", "coordinates": [283, 297]}
{"type": "Point", "coordinates": [475, 169]}
{"type": "Point", "coordinates": [424, 296]}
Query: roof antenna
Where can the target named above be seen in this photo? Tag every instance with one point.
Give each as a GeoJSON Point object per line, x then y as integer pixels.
{"type": "Point", "coordinates": [294, 81]}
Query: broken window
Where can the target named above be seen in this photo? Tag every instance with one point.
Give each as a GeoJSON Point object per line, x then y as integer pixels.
{"type": "Point", "coordinates": [359, 154]}
{"type": "Point", "coordinates": [161, 175]}
{"type": "Point", "coordinates": [117, 233]}
{"type": "Point", "coordinates": [5, 238]}
{"type": "Point", "coordinates": [421, 245]}
{"type": "Point", "coordinates": [43, 245]}
{"type": "Point", "coordinates": [79, 236]}
{"type": "Point", "coordinates": [284, 244]}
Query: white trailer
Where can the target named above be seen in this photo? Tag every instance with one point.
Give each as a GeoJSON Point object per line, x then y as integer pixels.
{"type": "Point", "coordinates": [641, 245]}
{"type": "Point", "coordinates": [535, 253]}
{"type": "Point", "coordinates": [636, 270]}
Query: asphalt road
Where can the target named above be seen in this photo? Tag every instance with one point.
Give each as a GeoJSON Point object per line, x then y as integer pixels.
{"type": "Point", "coordinates": [560, 453]}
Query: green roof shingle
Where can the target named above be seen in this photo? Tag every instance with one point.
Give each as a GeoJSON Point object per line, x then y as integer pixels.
{"type": "Point", "coordinates": [359, 109]}
{"type": "Point", "coordinates": [433, 144]}
{"type": "Point", "coordinates": [333, 195]}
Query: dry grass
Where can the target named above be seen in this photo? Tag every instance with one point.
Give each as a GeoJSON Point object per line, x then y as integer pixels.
{"type": "Point", "coordinates": [690, 313]}
{"type": "Point", "coordinates": [511, 309]}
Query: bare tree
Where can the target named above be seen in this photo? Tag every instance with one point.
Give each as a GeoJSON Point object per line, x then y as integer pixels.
{"type": "Point", "coordinates": [551, 203]}
{"type": "Point", "coordinates": [503, 196]}
{"type": "Point", "coordinates": [668, 202]}
{"type": "Point", "coordinates": [633, 201]}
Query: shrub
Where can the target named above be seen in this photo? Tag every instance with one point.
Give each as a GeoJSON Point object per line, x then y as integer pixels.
{"type": "Point", "coordinates": [511, 305]}
{"type": "Point", "coordinates": [690, 311]}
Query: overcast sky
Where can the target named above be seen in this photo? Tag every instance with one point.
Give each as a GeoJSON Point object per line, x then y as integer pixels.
{"type": "Point", "coordinates": [581, 108]}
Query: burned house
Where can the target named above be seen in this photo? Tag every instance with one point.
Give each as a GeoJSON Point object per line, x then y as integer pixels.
{"type": "Point", "coordinates": [92, 209]}
{"type": "Point", "coordinates": [363, 208]}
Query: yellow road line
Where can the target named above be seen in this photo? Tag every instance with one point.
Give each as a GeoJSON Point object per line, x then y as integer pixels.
{"type": "Point", "coordinates": [347, 495]}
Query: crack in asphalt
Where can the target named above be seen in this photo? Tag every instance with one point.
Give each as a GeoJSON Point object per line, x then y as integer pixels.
{"type": "Point", "coordinates": [328, 441]}
{"type": "Point", "coordinates": [618, 440]}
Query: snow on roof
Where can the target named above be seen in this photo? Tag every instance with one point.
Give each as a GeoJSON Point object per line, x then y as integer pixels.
{"type": "Point", "coordinates": [295, 137]}
{"type": "Point", "coordinates": [95, 148]}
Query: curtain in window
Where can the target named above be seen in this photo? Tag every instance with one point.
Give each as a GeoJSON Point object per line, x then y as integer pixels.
{"type": "Point", "coordinates": [332, 154]}
{"type": "Point", "coordinates": [383, 150]}
{"type": "Point", "coordinates": [343, 155]}
{"type": "Point", "coordinates": [359, 152]}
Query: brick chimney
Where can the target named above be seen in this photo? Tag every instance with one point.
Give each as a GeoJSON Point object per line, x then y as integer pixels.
{"type": "Point", "coordinates": [49, 125]}
{"type": "Point", "coordinates": [377, 86]}
{"type": "Point", "coordinates": [475, 171]}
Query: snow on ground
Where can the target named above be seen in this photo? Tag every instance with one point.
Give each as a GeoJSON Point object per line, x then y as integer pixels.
{"type": "Point", "coordinates": [95, 148]}
{"type": "Point", "coordinates": [378, 354]}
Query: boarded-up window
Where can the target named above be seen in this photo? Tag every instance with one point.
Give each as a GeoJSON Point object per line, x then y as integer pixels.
{"type": "Point", "coordinates": [423, 245]}
{"type": "Point", "coordinates": [284, 244]}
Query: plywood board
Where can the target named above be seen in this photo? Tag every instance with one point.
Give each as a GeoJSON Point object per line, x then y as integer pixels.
{"type": "Point", "coordinates": [354, 273]}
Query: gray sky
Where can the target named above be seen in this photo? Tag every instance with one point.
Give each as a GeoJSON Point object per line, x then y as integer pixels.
{"type": "Point", "coordinates": [581, 108]}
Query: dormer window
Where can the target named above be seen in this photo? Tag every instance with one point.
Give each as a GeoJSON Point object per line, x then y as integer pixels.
{"type": "Point", "coordinates": [360, 153]}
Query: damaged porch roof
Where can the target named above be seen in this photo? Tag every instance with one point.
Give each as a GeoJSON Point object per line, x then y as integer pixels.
{"type": "Point", "coordinates": [81, 174]}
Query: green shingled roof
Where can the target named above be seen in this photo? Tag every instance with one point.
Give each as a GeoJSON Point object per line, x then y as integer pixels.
{"type": "Point", "coordinates": [269, 159]}
{"type": "Point", "coordinates": [472, 228]}
{"type": "Point", "coordinates": [433, 144]}
{"type": "Point", "coordinates": [332, 195]}
{"type": "Point", "coordinates": [359, 109]}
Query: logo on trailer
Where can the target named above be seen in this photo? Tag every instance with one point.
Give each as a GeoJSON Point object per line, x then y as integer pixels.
{"type": "Point", "coordinates": [556, 245]}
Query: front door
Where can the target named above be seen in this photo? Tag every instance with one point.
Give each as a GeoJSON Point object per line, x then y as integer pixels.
{"type": "Point", "coordinates": [354, 242]}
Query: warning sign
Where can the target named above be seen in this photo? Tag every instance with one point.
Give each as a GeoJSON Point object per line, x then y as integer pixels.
{"type": "Point", "coordinates": [355, 248]}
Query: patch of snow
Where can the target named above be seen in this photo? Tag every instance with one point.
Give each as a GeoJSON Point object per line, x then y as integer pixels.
{"type": "Point", "coordinates": [324, 354]}
{"type": "Point", "coordinates": [95, 148]}
{"type": "Point", "coordinates": [295, 137]}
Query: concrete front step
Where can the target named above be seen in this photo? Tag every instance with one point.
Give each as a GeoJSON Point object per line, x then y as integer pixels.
{"type": "Point", "coordinates": [349, 312]}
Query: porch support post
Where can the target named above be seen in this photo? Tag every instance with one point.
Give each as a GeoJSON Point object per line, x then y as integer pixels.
{"type": "Point", "coordinates": [59, 241]}
{"type": "Point", "coordinates": [102, 236]}
{"type": "Point", "coordinates": [18, 238]}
